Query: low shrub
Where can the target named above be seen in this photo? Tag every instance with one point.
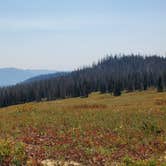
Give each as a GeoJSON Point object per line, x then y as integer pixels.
{"type": "Point", "coordinates": [12, 153]}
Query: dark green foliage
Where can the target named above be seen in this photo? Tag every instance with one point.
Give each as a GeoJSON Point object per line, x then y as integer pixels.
{"type": "Point", "coordinates": [160, 85]}
{"type": "Point", "coordinates": [117, 89]}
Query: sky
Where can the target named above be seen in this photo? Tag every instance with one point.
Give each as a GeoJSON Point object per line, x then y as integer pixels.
{"type": "Point", "coordinates": [67, 34]}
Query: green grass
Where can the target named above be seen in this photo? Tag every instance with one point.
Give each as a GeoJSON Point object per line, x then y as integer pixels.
{"type": "Point", "coordinates": [98, 130]}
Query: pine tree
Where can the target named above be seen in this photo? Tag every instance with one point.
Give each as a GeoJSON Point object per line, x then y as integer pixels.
{"type": "Point", "coordinates": [117, 89]}
{"type": "Point", "coordinates": [160, 85]}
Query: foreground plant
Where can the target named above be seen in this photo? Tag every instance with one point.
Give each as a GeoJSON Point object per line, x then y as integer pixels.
{"type": "Point", "coordinates": [12, 153]}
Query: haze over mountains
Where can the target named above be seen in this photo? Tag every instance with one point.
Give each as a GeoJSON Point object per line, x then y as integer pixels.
{"type": "Point", "coordinates": [11, 76]}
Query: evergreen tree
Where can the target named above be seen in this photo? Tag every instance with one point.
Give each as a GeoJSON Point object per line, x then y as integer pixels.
{"type": "Point", "coordinates": [117, 89]}
{"type": "Point", "coordinates": [160, 85]}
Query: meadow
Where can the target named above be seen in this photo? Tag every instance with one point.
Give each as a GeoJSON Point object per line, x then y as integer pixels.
{"type": "Point", "coordinates": [99, 130]}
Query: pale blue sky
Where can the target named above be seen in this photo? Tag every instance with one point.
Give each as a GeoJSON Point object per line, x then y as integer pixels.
{"type": "Point", "coordinates": [66, 34]}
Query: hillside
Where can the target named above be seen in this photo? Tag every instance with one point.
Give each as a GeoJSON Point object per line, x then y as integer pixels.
{"type": "Point", "coordinates": [97, 130]}
{"type": "Point", "coordinates": [12, 76]}
{"type": "Point", "coordinates": [112, 74]}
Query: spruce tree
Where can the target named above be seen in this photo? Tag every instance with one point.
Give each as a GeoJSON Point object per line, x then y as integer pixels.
{"type": "Point", "coordinates": [117, 89]}
{"type": "Point", "coordinates": [160, 85]}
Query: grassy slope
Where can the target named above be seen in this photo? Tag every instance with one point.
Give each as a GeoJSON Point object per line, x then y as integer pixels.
{"type": "Point", "coordinates": [95, 130]}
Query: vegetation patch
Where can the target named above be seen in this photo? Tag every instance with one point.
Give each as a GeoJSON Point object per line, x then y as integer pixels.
{"type": "Point", "coordinates": [12, 153]}
{"type": "Point", "coordinates": [90, 106]}
{"type": "Point", "coordinates": [160, 101]}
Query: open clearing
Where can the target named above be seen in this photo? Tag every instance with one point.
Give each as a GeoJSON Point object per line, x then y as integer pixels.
{"type": "Point", "coordinates": [98, 130]}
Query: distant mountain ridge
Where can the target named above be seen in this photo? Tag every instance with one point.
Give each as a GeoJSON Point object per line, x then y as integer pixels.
{"type": "Point", "coordinates": [12, 76]}
{"type": "Point", "coordinates": [46, 76]}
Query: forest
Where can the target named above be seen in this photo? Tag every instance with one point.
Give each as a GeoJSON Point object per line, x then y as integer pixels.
{"type": "Point", "coordinates": [112, 74]}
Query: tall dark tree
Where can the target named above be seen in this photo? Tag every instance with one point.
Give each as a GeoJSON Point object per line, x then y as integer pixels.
{"type": "Point", "coordinates": [117, 89]}
{"type": "Point", "coordinates": [160, 85]}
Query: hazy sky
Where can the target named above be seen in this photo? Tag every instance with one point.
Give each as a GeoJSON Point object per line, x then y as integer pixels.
{"type": "Point", "coordinates": [66, 34]}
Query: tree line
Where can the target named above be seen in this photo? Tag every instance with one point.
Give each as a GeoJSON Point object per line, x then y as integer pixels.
{"type": "Point", "coordinates": [112, 74]}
